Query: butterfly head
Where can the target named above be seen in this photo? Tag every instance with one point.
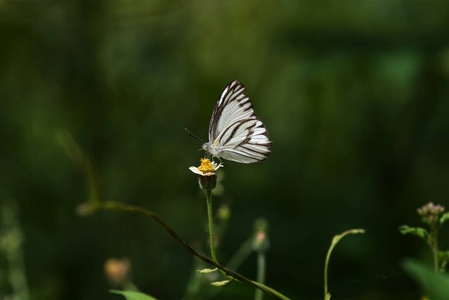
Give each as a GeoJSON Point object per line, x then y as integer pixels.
{"type": "Point", "coordinates": [213, 148]}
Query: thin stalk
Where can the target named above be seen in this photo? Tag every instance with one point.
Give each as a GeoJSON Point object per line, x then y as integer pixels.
{"type": "Point", "coordinates": [261, 263]}
{"type": "Point", "coordinates": [211, 224]}
{"type": "Point", "coordinates": [335, 240]}
{"type": "Point", "coordinates": [238, 258]}
{"type": "Point", "coordinates": [433, 243]}
{"type": "Point", "coordinates": [96, 202]}
{"type": "Point", "coordinates": [326, 264]}
{"type": "Point", "coordinates": [110, 205]}
{"type": "Point", "coordinates": [269, 291]}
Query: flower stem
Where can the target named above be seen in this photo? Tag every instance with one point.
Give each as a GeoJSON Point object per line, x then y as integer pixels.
{"type": "Point", "coordinates": [260, 273]}
{"type": "Point", "coordinates": [335, 240]}
{"type": "Point", "coordinates": [433, 243]}
{"type": "Point", "coordinates": [111, 205]}
{"type": "Point", "coordinates": [326, 264]}
{"type": "Point", "coordinates": [211, 224]}
{"type": "Point", "coordinates": [97, 202]}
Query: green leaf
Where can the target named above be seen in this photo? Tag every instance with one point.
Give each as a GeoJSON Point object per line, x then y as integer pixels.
{"type": "Point", "coordinates": [131, 295]}
{"type": "Point", "coordinates": [433, 285]}
{"type": "Point", "coordinates": [444, 218]}
{"type": "Point", "coordinates": [443, 256]}
{"type": "Point", "coordinates": [418, 231]}
{"type": "Point", "coordinates": [328, 296]}
{"type": "Point", "coordinates": [207, 271]}
{"type": "Point", "coordinates": [221, 283]}
{"type": "Point", "coordinates": [443, 259]}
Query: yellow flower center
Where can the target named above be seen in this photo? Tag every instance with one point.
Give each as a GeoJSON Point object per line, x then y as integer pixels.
{"type": "Point", "coordinates": [206, 166]}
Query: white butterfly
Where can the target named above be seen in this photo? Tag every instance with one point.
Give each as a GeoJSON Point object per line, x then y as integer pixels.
{"type": "Point", "coordinates": [235, 133]}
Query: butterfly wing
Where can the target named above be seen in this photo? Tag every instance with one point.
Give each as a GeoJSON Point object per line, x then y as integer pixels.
{"type": "Point", "coordinates": [232, 106]}
{"type": "Point", "coordinates": [245, 141]}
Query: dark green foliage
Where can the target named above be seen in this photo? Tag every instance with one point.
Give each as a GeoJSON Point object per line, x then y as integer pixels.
{"type": "Point", "coordinates": [418, 231]}
{"type": "Point", "coordinates": [354, 96]}
{"type": "Point", "coordinates": [129, 295]}
{"type": "Point", "coordinates": [433, 285]}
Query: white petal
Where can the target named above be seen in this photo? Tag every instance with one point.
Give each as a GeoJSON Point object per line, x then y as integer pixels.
{"type": "Point", "coordinates": [195, 170]}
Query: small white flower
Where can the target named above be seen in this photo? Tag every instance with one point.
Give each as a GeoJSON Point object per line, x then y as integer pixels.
{"type": "Point", "coordinates": [207, 168]}
{"type": "Point", "coordinates": [207, 173]}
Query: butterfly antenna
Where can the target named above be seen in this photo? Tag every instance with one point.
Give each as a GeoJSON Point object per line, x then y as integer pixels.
{"type": "Point", "coordinates": [194, 136]}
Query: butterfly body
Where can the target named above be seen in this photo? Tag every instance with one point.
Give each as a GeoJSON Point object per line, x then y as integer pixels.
{"type": "Point", "coordinates": [235, 133]}
{"type": "Point", "coordinates": [213, 148]}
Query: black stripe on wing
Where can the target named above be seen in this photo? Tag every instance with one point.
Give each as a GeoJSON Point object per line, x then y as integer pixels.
{"type": "Point", "coordinates": [240, 130]}
{"type": "Point", "coordinates": [246, 155]}
{"type": "Point", "coordinates": [232, 106]}
{"type": "Point", "coordinates": [245, 141]}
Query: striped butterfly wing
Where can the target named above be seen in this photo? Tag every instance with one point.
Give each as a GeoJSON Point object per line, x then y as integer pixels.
{"type": "Point", "coordinates": [235, 127]}
{"type": "Point", "coordinates": [245, 141]}
{"type": "Point", "coordinates": [232, 106]}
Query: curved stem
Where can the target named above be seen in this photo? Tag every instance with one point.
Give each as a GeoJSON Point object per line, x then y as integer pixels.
{"type": "Point", "coordinates": [211, 224]}
{"type": "Point", "coordinates": [96, 202]}
{"type": "Point", "coordinates": [335, 240]}
{"type": "Point", "coordinates": [136, 209]}
{"type": "Point", "coordinates": [326, 264]}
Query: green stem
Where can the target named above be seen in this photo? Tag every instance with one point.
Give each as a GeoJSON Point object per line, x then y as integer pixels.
{"type": "Point", "coordinates": [238, 258]}
{"type": "Point", "coordinates": [335, 240]}
{"type": "Point", "coordinates": [211, 224]}
{"type": "Point", "coordinates": [269, 291]}
{"type": "Point", "coordinates": [328, 256]}
{"type": "Point", "coordinates": [260, 273]}
{"type": "Point", "coordinates": [434, 246]}
{"type": "Point", "coordinates": [136, 209]}
{"type": "Point", "coordinates": [96, 202]}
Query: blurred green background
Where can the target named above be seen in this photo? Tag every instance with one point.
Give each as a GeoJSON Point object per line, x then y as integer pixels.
{"type": "Point", "coordinates": [354, 95]}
